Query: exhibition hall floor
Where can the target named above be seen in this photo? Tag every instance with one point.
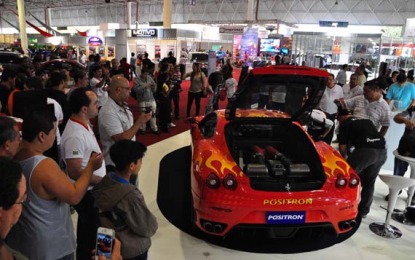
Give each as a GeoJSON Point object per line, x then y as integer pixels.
{"type": "Point", "coordinates": [170, 243]}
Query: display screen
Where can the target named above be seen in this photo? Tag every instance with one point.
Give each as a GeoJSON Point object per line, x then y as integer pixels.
{"type": "Point", "coordinates": [104, 244]}
{"type": "Point", "coordinates": [270, 45]}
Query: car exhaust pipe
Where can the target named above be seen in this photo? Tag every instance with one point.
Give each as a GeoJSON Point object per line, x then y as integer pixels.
{"type": "Point", "coordinates": [353, 223]}
{"type": "Point", "coordinates": [217, 228]}
{"type": "Point", "coordinates": [345, 225]}
{"type": "Point", "coordinates": [208, 226]}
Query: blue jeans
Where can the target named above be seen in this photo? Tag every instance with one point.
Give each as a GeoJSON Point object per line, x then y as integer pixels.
{"type": "Point", "coordinates": [399, 167]}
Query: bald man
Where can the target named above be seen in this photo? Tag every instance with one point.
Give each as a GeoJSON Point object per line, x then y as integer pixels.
{"type": "Point", "coordinates": [115, 120]}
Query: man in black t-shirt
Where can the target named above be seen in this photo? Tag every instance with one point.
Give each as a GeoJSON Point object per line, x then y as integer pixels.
{"type": "Point", "coordinates": [368, 156]}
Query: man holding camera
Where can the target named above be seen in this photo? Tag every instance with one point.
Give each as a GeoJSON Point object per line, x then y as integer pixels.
{"type": "Point", "coordinates": [144, 88]}
{"type": "Point", "coordinates": [99, 84]}
{"type": "Point", "coordinates": [115, 120]}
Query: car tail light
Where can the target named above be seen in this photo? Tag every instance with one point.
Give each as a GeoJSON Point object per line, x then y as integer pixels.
{"type": "Point", "coordinates": [341, 181]}
{"type": "Point", "coordinates": [229, 182]}
{"type": "Point", "coordinates": [354, 180]}
{"type": "Point", "coordinates": [212, 181]}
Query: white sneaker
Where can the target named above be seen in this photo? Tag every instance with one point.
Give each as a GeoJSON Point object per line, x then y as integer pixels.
{"type": "Point", "coordinates": [172, 125]}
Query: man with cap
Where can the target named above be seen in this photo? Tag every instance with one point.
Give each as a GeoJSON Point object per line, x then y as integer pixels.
{"type": "Point", "coordinates": [368, 156]}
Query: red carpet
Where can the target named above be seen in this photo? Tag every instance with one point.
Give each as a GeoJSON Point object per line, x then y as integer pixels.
{"type": "Point", "coordinates": [182, 124]}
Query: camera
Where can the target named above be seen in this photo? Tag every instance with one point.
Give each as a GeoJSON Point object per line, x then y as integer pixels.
{"type": "Point", "coordinates": [147, 110]}
{"type": "Point", "coordinates": [338, 103]}
{"type": "Point", "coordinates": [105, 239]}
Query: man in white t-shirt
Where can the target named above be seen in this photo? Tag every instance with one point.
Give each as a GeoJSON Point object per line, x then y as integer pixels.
{"type": "Point", "coordinates": [327, 105]}
{"type": "Point", "coordinates": [82, 58]}
{"type": "Point", "coordinates": [99, 84]}
{"type": "Point", "coordinates": [230, 85]}
{"type": "Point", "coordinates": [78, 143]}
{"type": "Point", "coordinates": [341, 77]}
{"type": "Point", "coordinates": [352, 89]}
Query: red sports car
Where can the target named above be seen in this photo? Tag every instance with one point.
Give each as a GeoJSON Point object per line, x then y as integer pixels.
{"type": "Point", "coordinates": [255, 166]}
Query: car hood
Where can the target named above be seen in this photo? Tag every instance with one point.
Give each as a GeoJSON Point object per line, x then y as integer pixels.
{"type": "Point", "coordinates": [292, 91]}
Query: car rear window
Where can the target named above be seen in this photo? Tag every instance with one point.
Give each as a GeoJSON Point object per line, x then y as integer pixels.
{"type": "Point", "coordinates": [285, 93]}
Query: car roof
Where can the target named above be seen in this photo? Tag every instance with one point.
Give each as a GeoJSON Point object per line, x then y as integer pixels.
{"type": "Point", "coordinates": [63, 63]}
{"type": "Point", "coordinates": [293, 90]}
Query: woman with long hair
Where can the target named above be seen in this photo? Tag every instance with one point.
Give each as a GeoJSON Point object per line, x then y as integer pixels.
{"type": "Point", "coordinates": [197, 86]}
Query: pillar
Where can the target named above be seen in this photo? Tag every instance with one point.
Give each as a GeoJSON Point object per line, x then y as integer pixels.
{"type": "Point", "coordinates": [48, 16]}
{"type": "Point", "coordinates": [167, 13]}
{"type": "Point", "coordinates": [129, 15]}
{"type": "Point", "coordinates": [121, 39]}
{"type": "Point", "coordinates": [22, 25]}
{"type": "Point", "coordinates": [250, 10]}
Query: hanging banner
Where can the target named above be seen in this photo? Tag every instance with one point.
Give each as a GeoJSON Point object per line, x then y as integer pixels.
{"type": "Point", "coordinates": [249, 43]}
{"type": "Point", "coordinates": [83, 34]}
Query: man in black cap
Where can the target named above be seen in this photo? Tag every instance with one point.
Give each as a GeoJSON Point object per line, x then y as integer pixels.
{"type": "Point", "coordinates": [368, 156]}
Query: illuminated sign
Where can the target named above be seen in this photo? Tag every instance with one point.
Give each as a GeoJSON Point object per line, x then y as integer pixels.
{"type": "Point", "coordinates": [288, 201]}
{"type": "Point", "coordinates": [146, 33]}
{"type": "Point", "coordinates": [95, 41]}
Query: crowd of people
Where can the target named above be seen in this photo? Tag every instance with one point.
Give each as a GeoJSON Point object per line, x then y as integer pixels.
{"type": "Point", "coordinates": [78, 148]}
{"type": "Point", "coordinates": [364, 111]}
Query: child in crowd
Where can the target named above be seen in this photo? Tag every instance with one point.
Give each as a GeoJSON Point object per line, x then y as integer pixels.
{"type": "Point", "coordinates": [122, 204]}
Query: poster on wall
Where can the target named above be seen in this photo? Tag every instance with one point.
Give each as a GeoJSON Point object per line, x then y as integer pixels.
{"type": "Point", "coordinates": [157, 51]}
{"type": "Point", "coordinates": [171, 48]}
{"type": "Point", "coordinates": [141, 49]}
{"type": "Point", "coordinates": [92, 50]}
{"type": "Point", "coordinates": [110, 51]}
{"type": "Point", "coordinates": [101, 51]}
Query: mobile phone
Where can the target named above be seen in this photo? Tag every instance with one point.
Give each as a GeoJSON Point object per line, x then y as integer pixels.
{"type": "Point", "coordinates": [105, 239]}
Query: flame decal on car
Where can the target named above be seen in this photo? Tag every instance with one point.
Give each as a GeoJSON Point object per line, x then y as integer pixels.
{"type": "Point", "coordinates": [218, 163]}
{"type": "Point", "coordinates": [334, 164]}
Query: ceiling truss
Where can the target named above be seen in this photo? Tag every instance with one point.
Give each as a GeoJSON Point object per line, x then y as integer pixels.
{"type": "Point", "coordinates": [94, 12]}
